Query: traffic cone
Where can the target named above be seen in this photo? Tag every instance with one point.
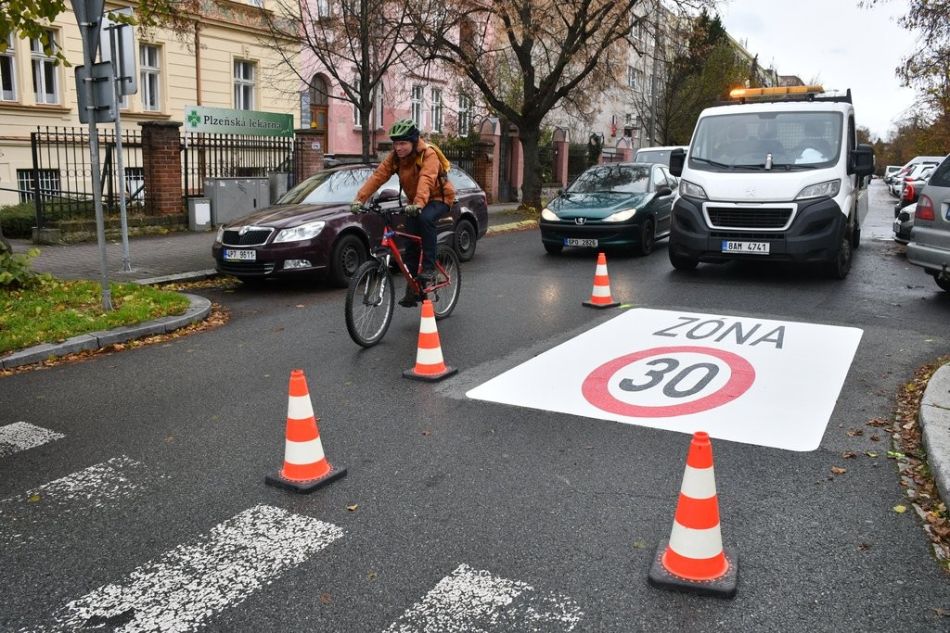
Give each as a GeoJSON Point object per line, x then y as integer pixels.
{"type": "Point", "coordinates": [600, 297]}
{"type": "Point", "coordinates": [305, 465]}
{"type": "Point", "coordinates": [429, 364]}
{"type": "Point", "coordinates": [694, 559]}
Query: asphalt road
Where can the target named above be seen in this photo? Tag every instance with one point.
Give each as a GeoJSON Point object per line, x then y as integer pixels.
{"type": "Point", "coordinates": [460, 514]}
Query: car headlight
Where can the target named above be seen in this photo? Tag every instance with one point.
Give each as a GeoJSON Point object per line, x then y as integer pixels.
{"type": "Point", "coordinates": [692, 190]}
{"type": "Point", "coordinates": [220, 236]}
{"type": "Point", "coordinates": [547, 214]}
{"type": "Point", "coordinates": [306, 231]}
{"type": "Point", "coordinates": [829, 188]}
{"type": "Point", "coordinates": [621, 216]}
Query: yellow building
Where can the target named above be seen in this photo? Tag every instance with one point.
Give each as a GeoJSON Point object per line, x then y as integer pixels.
{"type": "Point", "coordinates": [219, 59]}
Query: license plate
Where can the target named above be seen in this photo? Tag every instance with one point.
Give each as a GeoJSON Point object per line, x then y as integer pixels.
{"type": "Point", "coordinates": [239, 255]}
{"type": "Point", "coordinates": [570, 241]}
{"type": "Point", "coordinates": [752, 248]}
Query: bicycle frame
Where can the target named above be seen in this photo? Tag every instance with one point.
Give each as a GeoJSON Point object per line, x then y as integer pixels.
{"type": "Point", "coordinates": [389, 248]}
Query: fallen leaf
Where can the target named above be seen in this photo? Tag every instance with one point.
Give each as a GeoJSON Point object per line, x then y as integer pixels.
{"type": "Point", "coordinates": [855, 432]}
{"type": "Point", "coordinates": [300, 305]}
{"type": "Point", "coordinates": [848, 455]}
{"type": "Point", "coordinates": [325, 598]}
{"type": "Point", "coordinates": [427, 432]}
{"type": "Point", "coordinates": [371, 575]}
{"type": "Point", "coordinates": [895, 455]}
{"type": "Point", "coordinates": [639, 543]}
{"type": "Point", "coordinates": [838, 470]}
{"type": "Point", "coordinates": [353, 507]}
{"type": "Point", "coordinates": [899, 509]}
{"type": "Point", "coordinates": [863, 547]}
{"type": "Point", "coordinates": [33, 498]}
{"type": "Point", "coordinates": [871, 454]}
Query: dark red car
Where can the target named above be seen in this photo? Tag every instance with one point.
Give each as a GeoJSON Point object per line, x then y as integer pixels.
{"type": "Point", "coordinates": [311, 232]}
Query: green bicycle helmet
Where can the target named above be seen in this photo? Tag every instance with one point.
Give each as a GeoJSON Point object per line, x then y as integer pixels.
{"type": "Point", "coordinates": [404, 130]}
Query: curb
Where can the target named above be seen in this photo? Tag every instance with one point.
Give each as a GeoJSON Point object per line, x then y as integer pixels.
{"type": "Point", "coordinates": [934, 418]}
{"type": "Point", "coordinates": [198, 309]}
{"type": "Point", "coordinates": [512, 226]}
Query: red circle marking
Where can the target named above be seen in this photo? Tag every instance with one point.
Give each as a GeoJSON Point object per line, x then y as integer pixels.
{"type": "Point", "coordinates": [596, 392]}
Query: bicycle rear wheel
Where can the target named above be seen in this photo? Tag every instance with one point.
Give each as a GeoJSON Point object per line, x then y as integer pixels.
{"type": "Point", "coordinates": [444, 299]}
{"type": "Point", "coordinates": [369, 303]}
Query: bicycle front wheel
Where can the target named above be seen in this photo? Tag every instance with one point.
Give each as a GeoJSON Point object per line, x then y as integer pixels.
{"type": "Point", "coordinates": [369, 303]}
{"type": "Point", "coordinates": [445, 298]}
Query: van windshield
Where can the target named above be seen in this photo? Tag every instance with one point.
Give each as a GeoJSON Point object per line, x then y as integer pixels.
{"type": "Point", "coordinates": [767, 140]}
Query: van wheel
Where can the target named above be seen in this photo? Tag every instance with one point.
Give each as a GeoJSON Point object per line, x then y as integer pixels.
{"type": "Point", "coordinates": [840, 266]}
{"type": "Point", "coordinates": [348, 254]}
{"type": "Point", "coordinates": [943, 282]}
{"type": "Point", "coordinates": [681, 262]}
{"type": "Point", "coordinates": [465, 240]}
{"type": "Point", "coordinates": [856, 237]}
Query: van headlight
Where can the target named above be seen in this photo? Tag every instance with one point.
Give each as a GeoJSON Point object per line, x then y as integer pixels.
{"type": "Point", "coordinates": [547, 214]}
{"type": "Point", "coordinates": [300, 233]}
{"type": "Point", "coordinates": [829, 188]}
{"type": "Point", "coordinates": [620, 216]}
{"type": "Point", "coordinates": [692, 190]}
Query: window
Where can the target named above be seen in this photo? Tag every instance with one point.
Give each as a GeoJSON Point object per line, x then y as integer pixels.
{"type": "Point", "coordinates": [436, 115]}
{"type": "Point", "coordinates": [243, 85]}
{"type": "Point", "coordinates": [8, 72]}
{"type": "Point", "coordinates": [323, 8]}
{"type": "Point", "coordinates": [49, 183]}
{"type": "Point", "coordinates": [416, 105]}
{"type": "Point", "coordinates": [149, 74]}
{"type": "Point", "coordinates": [465, 115]}
{"type": "Point", "coordinates": [631, 77]}
{"type": "Point", "coordinates": [377, 116]}
{"type": "Point", "coordinates": [45, 77]}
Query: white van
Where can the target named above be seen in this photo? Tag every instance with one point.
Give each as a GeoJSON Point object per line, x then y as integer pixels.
{"type": "Point", "coordinates": [778, 176]}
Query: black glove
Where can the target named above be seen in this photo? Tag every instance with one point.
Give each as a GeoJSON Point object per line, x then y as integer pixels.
{"type": "Point", "coordinates": [412, 210]}
{"type": "Point", "coordinates": [356, 206]}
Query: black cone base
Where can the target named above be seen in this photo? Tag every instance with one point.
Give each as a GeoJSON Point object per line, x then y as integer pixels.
{"type": "Point", "coordinates": [722, 587]}
{"type": "Point", "coordinates": [307, 486]}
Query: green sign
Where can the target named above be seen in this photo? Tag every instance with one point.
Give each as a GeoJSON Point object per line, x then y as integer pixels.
{"type": "Point", "coordinates": [243, 122]}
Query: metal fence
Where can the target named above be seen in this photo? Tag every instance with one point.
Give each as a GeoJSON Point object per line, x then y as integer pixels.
{"type": "Point", "coordinates": [228, 156]}
{"type": "Point", "coordinates": [546, 162]}
{"type": "Point", "coordinates": [463, 157]}
{"type": "Point", "coordinates": [60, 181]}
{"type": "Point", "coordinates": [577, 160]}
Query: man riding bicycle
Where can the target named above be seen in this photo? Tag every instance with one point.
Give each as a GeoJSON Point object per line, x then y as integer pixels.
{"type": "Point", "coordinates": [427, 187]}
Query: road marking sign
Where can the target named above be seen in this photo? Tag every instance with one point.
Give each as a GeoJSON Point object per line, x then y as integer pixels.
{"type": "Point", "coordinates": [757, 381]}
{"type": "Point", "coordinates": [20, 436]}
{"type": "Point", "coordinates": [474, 600]}
{"type": "Point", "coordinates": [188, 585]}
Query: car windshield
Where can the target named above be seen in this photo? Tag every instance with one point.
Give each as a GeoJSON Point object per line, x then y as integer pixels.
{"type": "Point", "coordinates": [794, 140]}
{"type": "Point", "coordinates": [328, 187]}
{"type": "Point", "coordinates": [613, 179]}
{"type": "Point", "coordinates": [653, 156]}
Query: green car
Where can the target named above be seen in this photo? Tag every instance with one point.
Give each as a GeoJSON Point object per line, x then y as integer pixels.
{"type": "Point", "coordinates": [615, 205]}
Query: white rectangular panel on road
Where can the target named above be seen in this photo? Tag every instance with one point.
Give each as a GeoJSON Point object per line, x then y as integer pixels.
{"type": "Point", "coordinates": [188, 585]}
{"type": "Point", "coordinates": [20, 436]}
{"type": "Point", "coordinates": [757, 381]}
{"type": "Point", "coordinates": [473, 601]}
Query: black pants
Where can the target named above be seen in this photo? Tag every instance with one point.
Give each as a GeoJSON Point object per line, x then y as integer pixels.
{"type": "Point", "coordinates": [424, 225]}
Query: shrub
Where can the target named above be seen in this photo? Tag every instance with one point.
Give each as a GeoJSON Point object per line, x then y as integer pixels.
{"type": "Point", "coordinates": [15, 271]}
{"type": "Point", "coordinates": [17, 220]}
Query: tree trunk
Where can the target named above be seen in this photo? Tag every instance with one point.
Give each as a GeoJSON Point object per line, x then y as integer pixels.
{"type": "Point", "coordinates": [365, 135]}
{"type": "Point", "coordinates": [531, 183]}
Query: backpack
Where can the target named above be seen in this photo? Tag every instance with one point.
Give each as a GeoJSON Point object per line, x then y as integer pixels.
{"type": "Point", "coordinates": [446, 165]}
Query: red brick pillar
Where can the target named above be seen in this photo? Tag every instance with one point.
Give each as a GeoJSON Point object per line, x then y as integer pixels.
{"type": "Point", "coordinates": [488, 158]}
{"type": "Point", "coordinates": [161, 162]}
{"type": "Point", "coordinates": [561, 152]}
{"type": "Point", "coordinates": [309, 152]}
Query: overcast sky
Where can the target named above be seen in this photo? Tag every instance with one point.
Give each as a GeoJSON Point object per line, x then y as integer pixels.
{"type": "Point", "coordinates": [834, 42]}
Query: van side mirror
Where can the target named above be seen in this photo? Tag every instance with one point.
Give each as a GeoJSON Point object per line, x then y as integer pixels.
{"type": "Point", "coordinates": [677, 158]}
{"type": "Point", "coordinates": [387, 195]}
{"type": "Point", "coordinates": [861, 161]}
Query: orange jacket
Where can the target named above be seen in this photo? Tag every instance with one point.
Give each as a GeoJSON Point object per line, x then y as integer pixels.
{"type": "Point", "coordinates": [420, 185]}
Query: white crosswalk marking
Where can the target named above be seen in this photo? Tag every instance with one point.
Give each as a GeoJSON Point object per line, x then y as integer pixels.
{"type": "Point", "coordinates": [188, 585]}
{"type": "Point", "coordinates": [473, 601]}
{"type": "Point", "coordinates": [96, 487]}
{"type": "Point", "coordinates": [20, 436]}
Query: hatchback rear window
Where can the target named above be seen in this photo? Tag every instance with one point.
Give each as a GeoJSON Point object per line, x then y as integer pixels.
{"type": "Point", "coordinates": [941, 175]}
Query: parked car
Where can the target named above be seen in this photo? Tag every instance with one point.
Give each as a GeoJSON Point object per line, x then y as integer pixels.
{"type": "Point", "coordinates": [624, 205]}
{"type": "Point", "coordinates": [897, 179]}
{"type": "Point", "coordinates": [890, 171]}
{"type": "Point", "coordinates": [656, 154]}
{"type": "Point", "coordinates": [903, 223]}
{"type": "Point", "coordinates": [929, 245]}
{"type": "Point", "coordinates": [912, 185]}
{"type": "Point", "coordinates": [310, 231]}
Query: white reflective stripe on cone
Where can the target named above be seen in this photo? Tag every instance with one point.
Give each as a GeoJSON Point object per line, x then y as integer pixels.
{"type": "Point", "coordinates": [299, 407]}
{"type": "Point", "coordinates": [427, 325]}
{"type": "Point", "coordinates": [425, 356]}
{"type": "Point", "coordinates": [303, 452]}
{"type": "Point", "coordinates": [699, 483]}
{"type": "Point", "coordinates": [601, 269]}
{"type": "Point", "coordinates": [601, 291]}
{"type": "Point", "coordinates": [697, 544]}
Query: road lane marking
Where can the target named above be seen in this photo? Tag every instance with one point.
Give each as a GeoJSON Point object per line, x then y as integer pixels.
{"type": "Point", "coordinates": [190, 584]}
{"type": "Point", "coordinates": [97, 487]}
{"type": "Point", "coordinates": [20, 436]}
{"type": "Point", "coordinates": [473, 601]}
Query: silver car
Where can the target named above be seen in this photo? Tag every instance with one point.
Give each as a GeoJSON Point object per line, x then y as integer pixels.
{"type": "Point", "coordinates": [929, 245]}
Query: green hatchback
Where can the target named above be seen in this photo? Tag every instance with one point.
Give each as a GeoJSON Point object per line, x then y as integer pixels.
{"type": "Point", "coordinates": [614, 205]}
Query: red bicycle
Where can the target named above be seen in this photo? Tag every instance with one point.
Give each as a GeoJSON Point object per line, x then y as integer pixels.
{"type": "Point", "coordinates": [371, 297]}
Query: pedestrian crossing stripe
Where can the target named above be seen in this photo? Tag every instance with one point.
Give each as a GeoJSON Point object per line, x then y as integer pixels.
{"type": "Point", "coordinates": [21, 436]}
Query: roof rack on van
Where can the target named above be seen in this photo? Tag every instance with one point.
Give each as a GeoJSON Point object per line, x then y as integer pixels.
{"type": "Point", "coordinates": [786, 93]}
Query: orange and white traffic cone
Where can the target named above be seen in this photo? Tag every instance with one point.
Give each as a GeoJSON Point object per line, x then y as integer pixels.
{"type": "Point", "coordinates": [600, 297]}
{"type": "Point", "coordinates": [429, 364]}
{"type": "Point", "coordinates": [305, 465]}
{"type": "Point", "coordinates": [694, 559]}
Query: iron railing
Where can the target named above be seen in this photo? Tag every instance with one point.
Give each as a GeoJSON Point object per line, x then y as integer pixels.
{"type": "Point", "coordinates": [228, 156]}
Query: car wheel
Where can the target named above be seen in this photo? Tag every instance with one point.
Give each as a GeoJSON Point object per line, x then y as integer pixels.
{"type": "Point", "coordinates": [553, 249]}
{"type": "Point", "coordinates": [465, 240]}
{"type": "Point", "coordinates": [348, 254]}
{"type": "Point", "coordinates": [840, 265]}
{"type": "Point", "coordinates": [681, 262]}
{"type": "Point", "coordinates": [647, 237]}
{"type": "Point", "coordinates": [856, 237]}
{"type": "Point", "coordinates": [943, 282]}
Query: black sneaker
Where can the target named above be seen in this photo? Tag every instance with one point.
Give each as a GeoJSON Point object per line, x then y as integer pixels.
{"type": "Point", "coordinates": [410, 299]}
{"type": "Point", "coordinates": [426, 277]}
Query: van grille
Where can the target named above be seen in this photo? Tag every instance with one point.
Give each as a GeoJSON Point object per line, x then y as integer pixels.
{"type": "Point", "coordinates": [748, 217]}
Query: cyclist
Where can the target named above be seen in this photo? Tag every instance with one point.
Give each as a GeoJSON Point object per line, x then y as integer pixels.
{"type": "Point", "coordinates": [428, 189]}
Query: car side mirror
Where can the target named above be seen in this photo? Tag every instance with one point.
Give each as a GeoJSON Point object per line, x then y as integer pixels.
{"type": "Point", "coordinates": [386, 195]}
{"type": "Point", "coordinates": [861, 161]}
{"type": "Point", "coordinates": [663, 190]}
{"type": "Point", "coordinates": [677, 159]}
